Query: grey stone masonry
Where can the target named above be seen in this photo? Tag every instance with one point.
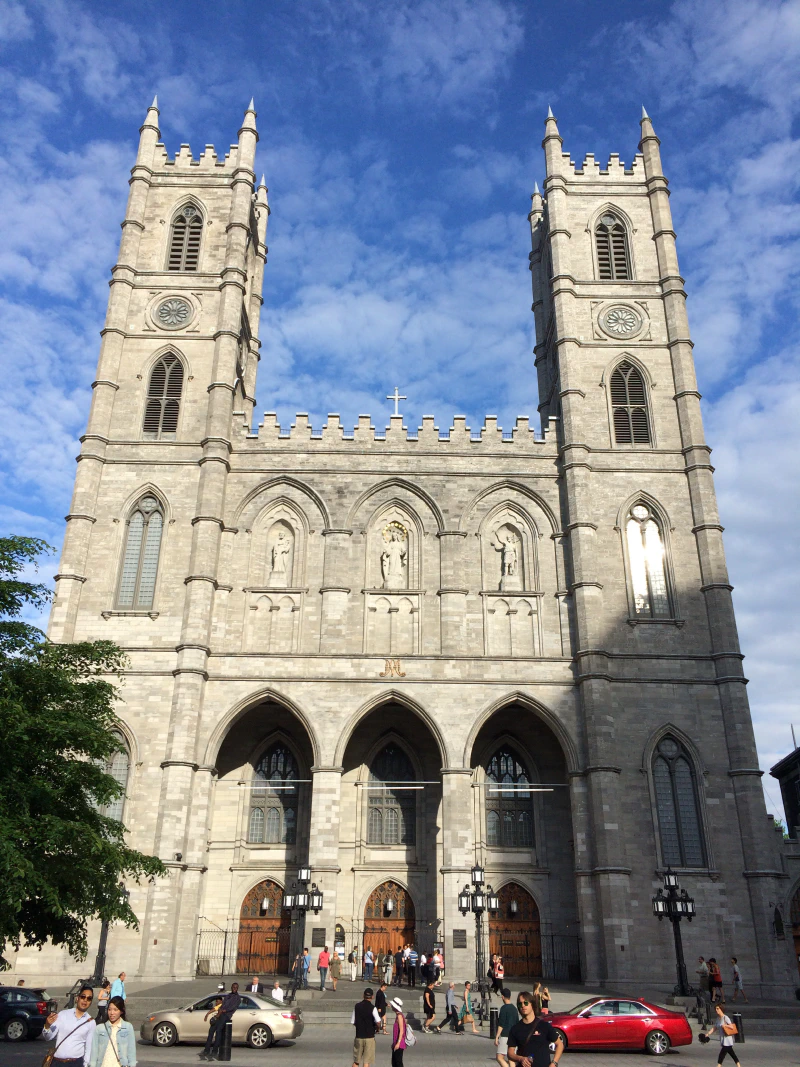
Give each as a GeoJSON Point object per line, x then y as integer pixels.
{"type": "Point", "coordinates": [391, 652]}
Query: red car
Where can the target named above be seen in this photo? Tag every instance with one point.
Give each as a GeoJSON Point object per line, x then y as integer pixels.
{"type": "Point", "coordinates": [634, 1024]}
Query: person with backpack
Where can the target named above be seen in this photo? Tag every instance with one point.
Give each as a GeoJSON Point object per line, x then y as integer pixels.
{"type": "Point", "coordinates": [352, 963]}
{"type": "Point", "coordinates": [727, 1033]}
{"type": "Point", "coordinates": [402, 1034]}
{"type": "Point", "coordinates": [530, 1039]}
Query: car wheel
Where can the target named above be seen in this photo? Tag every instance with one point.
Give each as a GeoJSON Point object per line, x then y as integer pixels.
{"type": "Point", "coordinates": [259, 1036]}
{"type": "Point", "coordinates": [562, 1035]}
{"type": "Point", "coordinates": [15, 1029]}
{"type": "Point", "coordinates": [164, 1035]}
{"type": "Point", "coordinates": [657, 1043]}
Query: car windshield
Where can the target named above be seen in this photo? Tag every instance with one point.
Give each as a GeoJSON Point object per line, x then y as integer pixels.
{"type": "Point", "coordinates": [582, 1006]}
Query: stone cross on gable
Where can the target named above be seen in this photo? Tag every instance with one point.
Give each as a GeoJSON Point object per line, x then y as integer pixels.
{"type": "Point", "coordinates": [396, 396]}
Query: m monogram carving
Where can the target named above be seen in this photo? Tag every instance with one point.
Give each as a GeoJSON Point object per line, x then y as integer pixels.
{"type": "Point", "coordinates": [392, 668]}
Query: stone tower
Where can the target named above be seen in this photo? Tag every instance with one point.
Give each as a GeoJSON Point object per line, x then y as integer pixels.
{"type": "Point", "coordinates": [614, 360]}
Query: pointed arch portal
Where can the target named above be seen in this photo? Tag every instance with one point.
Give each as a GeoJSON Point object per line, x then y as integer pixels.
{"type": "Point", "coordinates": [389, 919]}
{"type": "Point", "coordinates": [264, 931]}
{"type": "Point", "coordinates": [514, 932]}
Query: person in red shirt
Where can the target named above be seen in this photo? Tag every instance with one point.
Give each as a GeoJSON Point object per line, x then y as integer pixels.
{"type": "Point", "coordinates": [323, 963]}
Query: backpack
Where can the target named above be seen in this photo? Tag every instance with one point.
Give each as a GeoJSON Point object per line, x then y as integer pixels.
{"type": "Point", "coordinates": [411, 1039]}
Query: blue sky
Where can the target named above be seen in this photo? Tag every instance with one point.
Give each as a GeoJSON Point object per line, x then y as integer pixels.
{"type": "Point", "coordinates": [400, 140]}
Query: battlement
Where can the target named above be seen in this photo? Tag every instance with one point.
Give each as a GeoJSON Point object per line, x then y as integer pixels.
{"type": "Point", "coordinates": [183, 161]}
{"type": "Point", "coordinates": [614, 171]}
{"type": "Point", "coordinates": [397, 435]}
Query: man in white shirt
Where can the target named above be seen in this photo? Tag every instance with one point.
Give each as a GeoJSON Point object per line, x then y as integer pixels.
{"type": "Point", "coordinates": [73, 1031]}
{"type": "Point", "coordinates": [277, 993]}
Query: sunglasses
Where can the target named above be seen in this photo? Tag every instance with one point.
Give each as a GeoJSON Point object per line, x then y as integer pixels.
{"type": "Point", "coordinates": [524, 1003]}
{"type": "Point", "coordinates": [83, 996]}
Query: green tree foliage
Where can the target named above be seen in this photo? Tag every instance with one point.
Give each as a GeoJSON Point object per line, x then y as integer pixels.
{"type": "Point", "coordinates": [61, 859]}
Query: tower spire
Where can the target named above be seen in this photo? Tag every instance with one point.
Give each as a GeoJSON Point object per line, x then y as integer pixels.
{"type": "Point", "coordinates": [149, 134]}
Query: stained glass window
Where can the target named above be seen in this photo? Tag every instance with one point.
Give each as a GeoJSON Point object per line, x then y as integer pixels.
{"type": "Point", "coordinates": [677, 806]}
{"type": "Point", "coordinates": [142, 552]}
{"type": "Point", "coordinates": [392, 809]}
{"type": "Point", "coordinates": [274, 794]}
{"type": "Point", "coordinates": [647, 562]}
{"type": "Point", "coordinates": [509, 806]}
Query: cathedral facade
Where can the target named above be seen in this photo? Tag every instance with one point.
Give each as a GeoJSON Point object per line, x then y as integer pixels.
{"type": "Point", "coordinates": [392, 652]}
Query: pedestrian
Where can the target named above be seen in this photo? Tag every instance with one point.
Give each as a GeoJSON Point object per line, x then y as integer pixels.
{"type": "Point", "coordinates": [545, 999]}
{"type": "Point", "coordinates": [506, 1021]}
{"type": "Point", "coordinates": [336, 968]}
{"type": "Point", "coordinates": [305, 967]}
{"type": "Point", "coordinates": [369, 964]}
{"type": "Point", "coordinates": [399, 1032]}
{"type": "Point", "coordinates": [438, 964]}
{"type": "Point", "coordinates": [103, 997]}
{"type": "Point", "coordinates": [490, 973]}
{"type": "Point", "coordinates": [114, 1043]}
{"type": "Point", "coordinates": [21, 981]}
{"type": "Point", "coordinates": [352, 963]}
{"type": "Point", "coordinates": [429, 1006]}
{"type": "Point", "coordinates": [380, 1005]}
{"type": "Point", "coordinates": [702, 973]}
{"type": "Point", "coordinates": [499, 975]}
{"type": "Point", "coordinates": [256, 986]}
{"type": "Point", "coordinates": [276, 992]}
{"type": "Point", "coordinates": [73, 1030]}
{"type": "Point", "coordinates": [386, 963]}
{"type": "Point", "coordinates": [467, 1015]}
{"type": "Point", "coordinates": [323, 966]}
{"type": "Point", "coordinates": [737, 980]}
{"type": "Point", "coordinates": [366, 1020]}
{"type": "Point", "coordinates": [537, 999]}
{"type": "Point", "coordinates": [220, 1019]}
{"type": "Point", "coordinates": [727, 1030]}
{"type": "Point", "coordinates": [715, 980]}
{"type": "Point", "coordinates": [413, 957]}
{"type": "Point", "coordinates": [118, 986]}
{"type": "Point", "coordinates": [530, 1039]}
{"type": "Point", "coordinates": [450, 1010]}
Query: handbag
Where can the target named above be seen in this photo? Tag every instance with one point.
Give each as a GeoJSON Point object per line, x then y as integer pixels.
{"type": "Point", "coordinates": [730, 1029]}
{"type": "Point", "coordinates": [50, 1054]}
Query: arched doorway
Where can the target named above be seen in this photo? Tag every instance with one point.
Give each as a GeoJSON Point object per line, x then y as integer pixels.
{"type": "Point", "coordinates": [514, 932]}
{"type": "Point", "coordinates": [264, 931]}
{"type": "Point", "coordinates": [389, 918]}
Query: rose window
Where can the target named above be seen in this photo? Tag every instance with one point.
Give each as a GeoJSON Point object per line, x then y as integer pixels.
{"type": "Point", "coordinates": [174, 313]}
{"type": "Point", "coordinates": [621, 321]}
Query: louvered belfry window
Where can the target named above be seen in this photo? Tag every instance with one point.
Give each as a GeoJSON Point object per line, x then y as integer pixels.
{"type": "Point", "coordinates": [163, 399]}
{"type": "Point", "coordinates": [613, 259]}
{"type": "Point", "coordinates": [184, 244]}
{"type": "Point", "coordinates": [676, 803]}
{"type": "Point", "coordinates": [629, 404]}
{"type": "Point", "coordinates": [142, 550]}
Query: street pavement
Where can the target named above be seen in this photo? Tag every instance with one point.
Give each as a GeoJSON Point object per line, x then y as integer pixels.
{"type": "Point", "coordinates": [333, 1044]}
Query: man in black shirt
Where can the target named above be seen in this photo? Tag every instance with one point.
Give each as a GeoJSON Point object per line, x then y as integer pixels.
{"type": "Point", "coordinates": [366, 1020]}
{"type": "Point", "coordinates": [398, 966]}
{"type": "Point", "coordinates": [380, 1005]}
{"type": "Point", "coordinates": [230, 1002]}
{"type": "Point", "coordinates": [530, 1039]}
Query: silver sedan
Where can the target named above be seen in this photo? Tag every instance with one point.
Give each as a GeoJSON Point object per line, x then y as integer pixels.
{"type": "Point", "coordinates": [257, 1022]}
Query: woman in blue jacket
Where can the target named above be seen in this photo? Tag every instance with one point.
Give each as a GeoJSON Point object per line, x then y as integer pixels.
{"type": "Point", "coordinates": [114, 1043]}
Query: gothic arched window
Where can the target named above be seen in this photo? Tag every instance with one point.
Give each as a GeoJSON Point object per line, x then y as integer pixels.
{"type": "Point", "coordinates": [629, 406]}
{"type": "Point", "coordinates": [184, 240]}
{"type": "Point", "coordinates": [118, 766]}
{"type": "Point", "coordinates": [392, 809]}
{"type": "Point", "coordinates": [611, 242]}
{"type": "Point", "coordinates": [677, 806]}
{"type": "Point", "coordinates": [142, 550]}
{"type": "Point", "coordinates": [647, 559]}
{"type": "Point", "coordinates": [509, 803]}
{"type": "Point", "coordinates": [163, 399]}
{"type": "Point", "coordinates": [273, 798]}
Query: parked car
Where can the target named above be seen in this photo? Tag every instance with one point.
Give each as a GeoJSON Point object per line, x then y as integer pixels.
{"type": "Point", "coordinates": [628, 1024]}
{"type": "Point", "coordinates": [258, 1022]}
{"type": "Point", "coordinates": [22, 1012]}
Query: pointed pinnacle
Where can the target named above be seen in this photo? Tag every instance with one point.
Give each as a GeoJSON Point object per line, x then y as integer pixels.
{"type": "Point", "coordinates": [550, 114]}
{"type": "Point", "coordinates": [536, 189]}
{"type": "Point", "coordinates": [251, 105]}
{"type": "Point", "coordinates": [644, 113]}
{"type": "Point", "coordinates": [262, 184]}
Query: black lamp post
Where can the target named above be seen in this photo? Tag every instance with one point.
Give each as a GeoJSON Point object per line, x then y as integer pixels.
{"type": "Point", "coordinates": [478, 901]}
{"type": "Point", "coordinates": [675, 904]}
{"type": "Point", "coordinates": [300, 900]}
{"type": "Point", "coordinates": [100, 958]}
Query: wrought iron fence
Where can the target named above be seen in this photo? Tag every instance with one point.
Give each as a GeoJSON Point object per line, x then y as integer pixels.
{"type": "Point", "coordinates": [561, 958]}
{"type": "Point", "coordinates": [239, 950]}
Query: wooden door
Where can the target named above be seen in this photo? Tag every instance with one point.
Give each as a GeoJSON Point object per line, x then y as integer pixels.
{"type": "Point", "coordinates": [514, 932]}
{"type": "Point", "coordinates": [388, 919]}
{"type": "Point", "coordinates": [264, 931]}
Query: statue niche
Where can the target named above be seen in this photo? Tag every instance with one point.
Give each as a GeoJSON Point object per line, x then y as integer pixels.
{"type": "Point", "coordinates": [394, 556]}
{"type": "Point", "coordinates": [507, 543]}
{"type": "Point", "coordinates": [280, 555]}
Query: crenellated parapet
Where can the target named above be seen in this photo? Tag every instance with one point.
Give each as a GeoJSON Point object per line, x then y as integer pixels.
{"type": "Point", "coordinates": [614, 171]}
{"type": "Point", "coordinates": [185, 163]}
{"type": "Point", "coordinates": [333, 434]}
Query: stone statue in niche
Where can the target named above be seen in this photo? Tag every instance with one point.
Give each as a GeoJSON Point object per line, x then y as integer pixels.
{"type": "Point", "coordinates": [394, 557]}
{"type": "Point", "coordinates": [280, 556]}
{"type": "Point", "coordinates": [507, 543]}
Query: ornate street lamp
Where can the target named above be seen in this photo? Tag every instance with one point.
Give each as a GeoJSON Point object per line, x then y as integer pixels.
{"type": "Point", "coordinates": [300, 901]}
{"type": "Point", "coordinates": [478, 901]}
{"type": "Point", "coordinates": [675, 904]}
